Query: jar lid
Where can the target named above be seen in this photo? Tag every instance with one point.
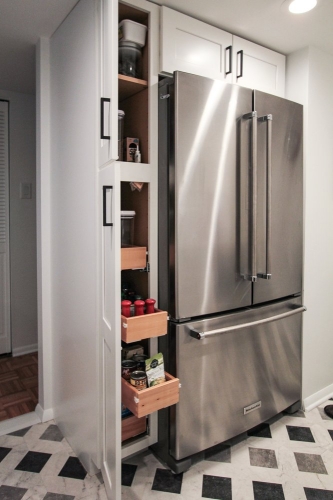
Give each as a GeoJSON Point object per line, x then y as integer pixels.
{"type": "Point", "coordinates": [138, 375]}
{"type": "Point", "coordinates": [127, 214]}
{"type": "Point", "coordinates": [121, 113]}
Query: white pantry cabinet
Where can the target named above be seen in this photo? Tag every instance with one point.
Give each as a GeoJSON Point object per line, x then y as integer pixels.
{"type": "Point", "coordinates": [137, 97]}
{"type": "Point", "coordinates": [196, 47]}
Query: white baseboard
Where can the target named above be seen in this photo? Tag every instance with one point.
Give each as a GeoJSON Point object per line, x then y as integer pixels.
{"type": "Point", "coordinates": [44, 415]}
{"type": "Point", "coordinates": [17, 423]}
{"type": "Point", "coordinates": [26, 349]}
{"type": "Point", "coordinates": [318, 398]}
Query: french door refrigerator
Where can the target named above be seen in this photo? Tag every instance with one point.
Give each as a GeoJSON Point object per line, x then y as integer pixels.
{"type": "Point", "coordinates": [230, 260]}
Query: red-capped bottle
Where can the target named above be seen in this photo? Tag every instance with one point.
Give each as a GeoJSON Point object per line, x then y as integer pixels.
{"type": "Point", "coordinates": [126, 308]}
{"type": "Point", "coordinates": [150, 306]}
{"type": "Point", "coordinates": [139, 307]}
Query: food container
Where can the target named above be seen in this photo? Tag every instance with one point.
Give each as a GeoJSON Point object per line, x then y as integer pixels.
{"type": "Point", "coordinates": [139, 380]}
{"type": "Point", "coordinates": [127, 227]}
{"type": "Point", "coordinates": [130, 59]}
{"type": "Point", "coordinates": [140, 360]}
{"type": "Point", "coordinates": [121, 115]}
{"type": "Point", "coordinates": [130, 31]}
{"type": "Point", "coordinates": [128, 366]}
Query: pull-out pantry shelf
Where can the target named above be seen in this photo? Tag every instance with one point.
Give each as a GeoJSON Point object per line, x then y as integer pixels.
{"type": "Point", "coordinates": [144, 327]}
{"type": "Point", "coordinates": [146, 401]}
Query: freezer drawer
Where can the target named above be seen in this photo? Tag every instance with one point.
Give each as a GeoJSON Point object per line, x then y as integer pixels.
{"type": "Point", "coordinates": [233, 381]}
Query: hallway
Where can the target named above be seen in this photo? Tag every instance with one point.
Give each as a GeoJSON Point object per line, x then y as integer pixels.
{"type": "Point", "coordinates": [18, 385]}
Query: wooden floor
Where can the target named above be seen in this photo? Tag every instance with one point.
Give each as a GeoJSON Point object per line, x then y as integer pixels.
{"type": "Point", "coordinates": [18, 385]}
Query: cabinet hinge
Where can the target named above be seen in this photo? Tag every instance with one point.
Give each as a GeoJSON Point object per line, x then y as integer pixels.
{"type": "Point", "coordinates": [146, 269]}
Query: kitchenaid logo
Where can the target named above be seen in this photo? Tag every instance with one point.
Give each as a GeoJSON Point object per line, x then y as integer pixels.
{"type": "Point", "coordinates": [252, 407]}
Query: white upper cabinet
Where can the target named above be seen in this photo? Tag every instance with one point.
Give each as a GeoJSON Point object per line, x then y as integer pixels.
{"type": "Point", "coordinates": [194, 47]}
{"type": "Point", "coordinates": [257, 67]}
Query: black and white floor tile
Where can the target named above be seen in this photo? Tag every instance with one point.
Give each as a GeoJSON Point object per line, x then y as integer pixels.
{"type": "Point", "coordinates": [287, 458]}
{"type": "Point", "coordinates": [36, 463]}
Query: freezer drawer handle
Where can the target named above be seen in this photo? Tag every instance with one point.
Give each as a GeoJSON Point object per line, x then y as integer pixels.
{"type": "Point", "coordinates": [268, 119]}
{"type": "Point", "coordinates": [201, 335]}
{"type": "Point", "coordinates": [253, 198]}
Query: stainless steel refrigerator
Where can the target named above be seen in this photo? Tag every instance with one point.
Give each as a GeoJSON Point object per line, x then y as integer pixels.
{"type": "Point", "coordinates": [230, 260]}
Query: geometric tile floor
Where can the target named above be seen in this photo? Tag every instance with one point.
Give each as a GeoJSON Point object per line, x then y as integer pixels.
{"type": "Point", "coordinates": [36, 463]}
{"type": "Point", "coordinates": [289, 457]}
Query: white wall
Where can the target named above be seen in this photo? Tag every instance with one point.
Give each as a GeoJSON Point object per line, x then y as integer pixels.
{"type": "Point", "coordinates": [22, 165]}
{"type": "Point", "coordinates": [310, 81]}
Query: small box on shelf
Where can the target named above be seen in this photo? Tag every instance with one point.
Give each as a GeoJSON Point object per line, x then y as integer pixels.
{"type": "Point", "coordinates": [146, 401]}
{"type": "Point", "coordinates": [144, 327]}
{"type": "Point", "coordinates": [133, 257]}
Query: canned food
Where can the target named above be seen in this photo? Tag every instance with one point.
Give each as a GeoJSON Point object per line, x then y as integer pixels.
{"type": "Point", "coordinates": [139, 380]}
{"type": "Point", "coordinates": [127, 367]}
{"type": "Point", "coordinates": [140, 360]}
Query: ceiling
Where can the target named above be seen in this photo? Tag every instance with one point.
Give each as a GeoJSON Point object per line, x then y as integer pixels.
{"type": "Point", "coordinates": [22, 22]}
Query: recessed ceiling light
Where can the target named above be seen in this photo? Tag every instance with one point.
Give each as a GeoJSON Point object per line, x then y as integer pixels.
{"type": "Point", "coordinates": [300, 6]}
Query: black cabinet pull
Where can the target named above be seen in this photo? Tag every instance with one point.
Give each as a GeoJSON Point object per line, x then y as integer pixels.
{"type": "Point", "coordinates": [103, 101]}
{"type": "Point", "coordinates": [229, 49]}
{"type": "Point", "coordinates": [240, 53]}
{"type": "Point", "coordinates": [105, 189]}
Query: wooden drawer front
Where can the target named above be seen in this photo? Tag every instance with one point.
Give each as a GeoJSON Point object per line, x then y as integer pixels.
{"type": "Point", "coordinates": [144, 402]}
{"type": "Point", "coordinates": [132, 426]}
{"type": "Point", "coordinates": [144, 327]}
{"type": "Point", "coordinates": [133, 258]}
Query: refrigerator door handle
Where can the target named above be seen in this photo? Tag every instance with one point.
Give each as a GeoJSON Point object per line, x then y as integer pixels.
{"type": "Point", "coordinates": [253, 199]}
{"type": "Point", "coordinates": [202, 335]}
{"type": "Point", "coordinates": [268, 119]}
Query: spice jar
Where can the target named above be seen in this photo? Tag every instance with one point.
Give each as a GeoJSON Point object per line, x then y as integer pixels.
{"type": "Point", "coordinates": [126, 308]}
{"type": "Point", "coordinates": [150, 306]}
{"type": "Point", "coordinates": [139, 305]}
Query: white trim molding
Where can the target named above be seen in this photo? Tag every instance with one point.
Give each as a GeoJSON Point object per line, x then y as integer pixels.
{"type": "Point", "coordinates": [44, 415]}
{"type": "Point", "coordinates": [26, 349]}
{"type": "Point", "coordinates": [317, 398]}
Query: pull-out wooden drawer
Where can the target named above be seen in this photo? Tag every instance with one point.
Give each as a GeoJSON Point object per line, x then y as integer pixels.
{"type": "Point", "coordinates": [146, 401]}
{"type": "Point", "coordinates": [132, 426]}
{"type": "Point", "coordinates": [144, 327]}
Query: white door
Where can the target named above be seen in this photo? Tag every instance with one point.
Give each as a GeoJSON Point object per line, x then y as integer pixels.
{"type": "Point", "coordinates": [194, 47]}
{"type": "Point", "coordinates": [108, 41]}
{"type": "Point", "coordinates": [110, 340]}
{"type": "Point", "coordinates": [5, 345]}
{"type": "Point", "coordinates": [258, 67]}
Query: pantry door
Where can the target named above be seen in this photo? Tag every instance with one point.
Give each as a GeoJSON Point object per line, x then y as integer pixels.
{"type": "Point", "coordinates": [5, 343]}
{"type": "Point", "coordinates": [110, 338]}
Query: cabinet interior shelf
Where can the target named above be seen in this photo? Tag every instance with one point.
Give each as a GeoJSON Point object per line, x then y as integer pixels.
{"type": "Point", "coordinates": [129, 86]}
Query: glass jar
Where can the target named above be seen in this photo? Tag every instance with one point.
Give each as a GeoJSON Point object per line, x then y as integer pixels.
{"type": "Point", "coordinates": [130, 59]}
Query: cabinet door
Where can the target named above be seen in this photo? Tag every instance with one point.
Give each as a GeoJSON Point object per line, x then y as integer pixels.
{"type": "Point", "coordinates": [257, 67]}
{"type": "Point", "coordinates": [194, 47]}
{"type": "Point", "coordinates": [108, 45]}
{"type": "Point", "coordinates": [110, 337]}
